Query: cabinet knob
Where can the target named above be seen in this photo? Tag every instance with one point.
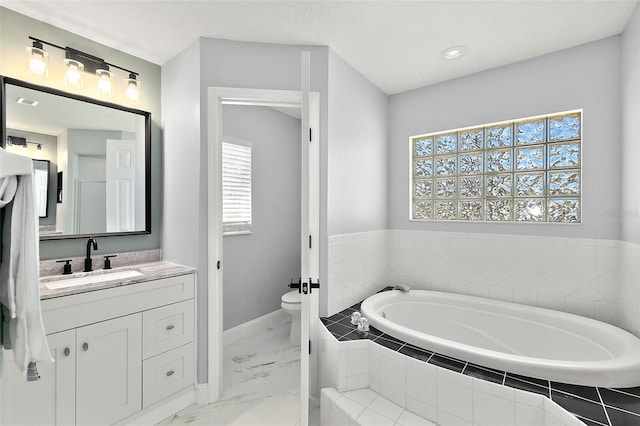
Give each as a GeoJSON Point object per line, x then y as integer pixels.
{"type": "Point", "coordinates": [170, 373]}
{"type": "Point", "coordinates": [67, 351]}
{"type": "Point", "coordinates": [85, 346]}
{"type": "Point", "coordinates": [171, 327]}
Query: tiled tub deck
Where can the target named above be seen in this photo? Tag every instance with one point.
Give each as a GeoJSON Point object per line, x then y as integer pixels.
{"type": "Point", "coordinates": [592, 405]}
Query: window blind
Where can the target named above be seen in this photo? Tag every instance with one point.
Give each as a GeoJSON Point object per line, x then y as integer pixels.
{"type": "Point", "coordinates": [236, 188]}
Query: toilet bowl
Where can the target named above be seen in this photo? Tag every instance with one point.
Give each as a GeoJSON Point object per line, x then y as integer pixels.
{"type": "Point", "coordinates": [291, 305]}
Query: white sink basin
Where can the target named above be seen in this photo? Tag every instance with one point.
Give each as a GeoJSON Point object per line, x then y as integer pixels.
{"type": "Point", "coordinates": [92, 279]}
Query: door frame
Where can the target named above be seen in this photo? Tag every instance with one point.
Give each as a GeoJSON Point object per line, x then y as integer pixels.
{"type": "Point", "coordinates": [216, 98]}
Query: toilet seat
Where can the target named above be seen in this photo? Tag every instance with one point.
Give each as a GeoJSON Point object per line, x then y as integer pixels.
{"type": "Point", "coordinates": [292, 297]}
{"type": "Point", "coordinates": [291, 300]}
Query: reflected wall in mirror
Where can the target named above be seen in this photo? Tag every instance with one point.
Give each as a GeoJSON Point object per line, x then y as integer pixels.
{"type": "Point", "coordinates": [102, 150]}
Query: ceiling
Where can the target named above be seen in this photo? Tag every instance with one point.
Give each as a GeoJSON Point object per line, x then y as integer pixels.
{"type": "Point", "coordinates": [395, 44]}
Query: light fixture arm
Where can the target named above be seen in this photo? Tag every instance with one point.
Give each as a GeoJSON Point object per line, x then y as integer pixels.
{"type": "Point", "coordinates": [90, 59]}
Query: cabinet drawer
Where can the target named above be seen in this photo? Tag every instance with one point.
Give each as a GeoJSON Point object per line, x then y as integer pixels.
{"type": "Point", "coordinates": [167, 327]}
{"type": "Point", "coordinates": [63, 313]}
{"type": "Point", "coordinates": [167, 373]}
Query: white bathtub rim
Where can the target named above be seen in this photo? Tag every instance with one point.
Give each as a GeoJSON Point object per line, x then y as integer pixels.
{"type": "Point", "coordinates": [623, 371]}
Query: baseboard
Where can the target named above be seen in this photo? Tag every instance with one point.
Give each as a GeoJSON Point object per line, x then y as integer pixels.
{"type": "Point", "coordinates": [202, 393]}
{"type": "Point", "coordinates": [161, 410]}
{"type": "Point", "coordinates": [248, 328]}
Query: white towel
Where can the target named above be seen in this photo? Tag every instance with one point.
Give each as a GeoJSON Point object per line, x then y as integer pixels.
{"type": "Point", "coordinates": [19, 268]}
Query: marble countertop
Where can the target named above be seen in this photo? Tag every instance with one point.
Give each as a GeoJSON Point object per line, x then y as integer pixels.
{"type": "Point", "coordinates": [150, 271]}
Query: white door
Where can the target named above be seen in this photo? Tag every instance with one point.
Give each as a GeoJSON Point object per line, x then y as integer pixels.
{"type": "Point", "coordinates": [306, 246]}
{"type": "Point", "coordinates": [121, 185]}
{"type": "Point", "coordinates": [89, 208]}
{"type": "Point", "coordinates": [48, 401]}
{"type": "Point", "coordinates": [109, 370]}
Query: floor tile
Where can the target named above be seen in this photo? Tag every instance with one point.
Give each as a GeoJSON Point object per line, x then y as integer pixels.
{"type": "Point", "coordinates": [261, 385]}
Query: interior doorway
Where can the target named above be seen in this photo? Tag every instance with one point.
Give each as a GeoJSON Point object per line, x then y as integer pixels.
{"type": "Point", "coordinates": [310, 164]}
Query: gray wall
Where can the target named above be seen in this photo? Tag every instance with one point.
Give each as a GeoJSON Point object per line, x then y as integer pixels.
{"type": "Point", "coordinates": [220, 63]}
{"type": "Point", "coordinates": [357, 173]}
{"type": "Point", "coordinates": [14, 31]}
{"type": "Point", "coordinates": [585, 77]}
{"type": "Point", "coordinates": [258, 266]}
{"type": "Point", "coordinates": [630, 210]}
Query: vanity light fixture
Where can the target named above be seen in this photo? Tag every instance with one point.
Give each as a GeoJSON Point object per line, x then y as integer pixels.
{"type": "Point", "coordinates": [78, 62]}
{"type": "Point", "coordinates": [23, 142]}
{"type": "Point", "coordinates": [38, 58]}
{"type": "Point", "coordinates": [453, 52]}
{"type": "Point", "coordinates": [16, 141]}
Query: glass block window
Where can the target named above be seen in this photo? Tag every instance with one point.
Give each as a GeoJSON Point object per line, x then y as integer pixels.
{"type": "Point", "coordinates": [236, 186]}
{"type": "Point", "coordinates": [526, 170]}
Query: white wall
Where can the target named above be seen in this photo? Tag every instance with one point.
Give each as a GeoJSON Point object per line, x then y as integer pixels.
{"type": "Point", "coordinates": [630, 209]}
{"type": "Point", "coordinates": [357, 173]}
{"type": "Point", "coordinates": [181, 129]}
{"type": "Point", "coordinates": [585, 77]}
{"type": "Point", "coordinates": [258, 266]}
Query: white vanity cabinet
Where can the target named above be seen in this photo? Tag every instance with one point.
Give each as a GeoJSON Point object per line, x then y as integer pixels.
{"type": "Point", "coordinates": [118, 351]}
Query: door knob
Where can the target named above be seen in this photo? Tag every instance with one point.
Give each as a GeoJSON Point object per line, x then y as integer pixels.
{"type": "Point", "coordinates": [85, 346]}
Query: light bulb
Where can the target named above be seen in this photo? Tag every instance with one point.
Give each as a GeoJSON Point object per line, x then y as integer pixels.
{"type": "Point", "coordinates": [133, 85]}
{"type": "Point", "coordinates": [38, 59]}
{"type": "Point", "coordinates": [73, 76]}
{"type": "Point", "coordinates": [37, 66]}
{"type": "Point", "coordinates": [104, 83]}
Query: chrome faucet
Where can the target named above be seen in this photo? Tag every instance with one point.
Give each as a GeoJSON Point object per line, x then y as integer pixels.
{"type": "Point", "coordinates": [403, 288]}
{"type": "Point", "coordinates": [87, 260]}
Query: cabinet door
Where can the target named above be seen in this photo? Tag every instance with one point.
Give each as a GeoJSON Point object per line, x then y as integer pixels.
{"type": "Point", "coordinates": [109, 370]}
{"type": "Point", "coordinates": [48, 401]}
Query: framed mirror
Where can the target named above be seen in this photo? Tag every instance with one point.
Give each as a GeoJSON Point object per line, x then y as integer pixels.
{"type": "Point", "coordinates": [102, 151]}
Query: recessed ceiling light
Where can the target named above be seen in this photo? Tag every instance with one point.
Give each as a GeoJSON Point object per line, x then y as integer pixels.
{"type": "Point", "coordinates": [453, 52]}
{"type": "Point", "coordinates": [25, 101]}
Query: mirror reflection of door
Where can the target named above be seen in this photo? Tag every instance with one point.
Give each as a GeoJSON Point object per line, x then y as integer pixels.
{"type": "Point", "coordinates": [90, 194]}
{"type": "Point", "coordinates": [41, 183]}
{"type": "Point", "coordinates": [121, 185]}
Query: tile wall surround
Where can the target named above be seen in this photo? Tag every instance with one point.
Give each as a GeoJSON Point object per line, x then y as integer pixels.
{"type": "Point", "coordinates": [580, 276]}
{"type": "Point", "coordinates": [629, 292]}
{"type": "Point", "coordinates": [434, 393]}
{"type": "Point", "coordinates": [51, 267]}
{"type": "Point", "coordinates": [357, 268]}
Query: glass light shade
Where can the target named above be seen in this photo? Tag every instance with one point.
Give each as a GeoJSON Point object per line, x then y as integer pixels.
{"type": "Point", "coordinates": [38, 60]}
{"type": "Point", "coordinates": [73, 74]}
{"type": "Point", "coordinates": [105, 87]}
{"type": "Point", "coordinates": [133, 89]}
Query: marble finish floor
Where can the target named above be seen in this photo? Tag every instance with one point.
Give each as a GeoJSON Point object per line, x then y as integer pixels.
{"type": "Point", "coordinates": [261, 384]}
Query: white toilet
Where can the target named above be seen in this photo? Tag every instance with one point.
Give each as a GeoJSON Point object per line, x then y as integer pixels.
{"type": "Point", "coordinates": [291, 305]}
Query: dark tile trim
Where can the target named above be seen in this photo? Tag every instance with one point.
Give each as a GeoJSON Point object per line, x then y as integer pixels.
{"type": "Point", "coordinates": [593, 406]}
